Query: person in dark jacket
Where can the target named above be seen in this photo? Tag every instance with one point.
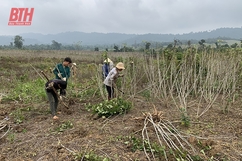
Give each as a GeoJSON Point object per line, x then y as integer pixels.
{"type": "Point", "coordinates": [52, 87]}
{"type": "Point", "coordinates": [107, 67]}
{"type": "Point", "coordinates": [62, 70]}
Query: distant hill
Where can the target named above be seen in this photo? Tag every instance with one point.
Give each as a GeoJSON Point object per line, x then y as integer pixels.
{"type": "Point", "coordinates": [118, 38]}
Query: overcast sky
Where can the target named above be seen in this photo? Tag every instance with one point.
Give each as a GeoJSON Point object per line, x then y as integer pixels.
{"type": "Point", "coordinates": [123, 16]}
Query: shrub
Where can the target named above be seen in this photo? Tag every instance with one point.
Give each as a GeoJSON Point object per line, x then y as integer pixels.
{"type": "Point", "coordinates": [109, 108]}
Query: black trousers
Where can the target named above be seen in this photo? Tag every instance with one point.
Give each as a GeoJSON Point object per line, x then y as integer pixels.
{"type": "Point", "coordinates": [110, 91]}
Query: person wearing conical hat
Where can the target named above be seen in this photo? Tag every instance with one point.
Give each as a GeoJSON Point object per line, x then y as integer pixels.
{"type": "Point", "coordinates": [107, 67]}
{"type": "Point", "coordinates": [73, 69]}
{"type": "Point", "coordinates": [111, 79]}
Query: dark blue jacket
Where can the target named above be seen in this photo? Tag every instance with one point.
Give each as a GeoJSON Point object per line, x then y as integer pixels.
{"type": "Point", "coordinates": [106, 69]}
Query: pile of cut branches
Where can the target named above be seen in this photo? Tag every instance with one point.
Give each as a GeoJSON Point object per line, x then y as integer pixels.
{"type": "Point", "coordinates": [158, 130]}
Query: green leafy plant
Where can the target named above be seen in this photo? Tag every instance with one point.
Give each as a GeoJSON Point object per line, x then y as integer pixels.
{"type": "Point", "coordinates": [18, 116]}
{"type": "Point", "coordinates": [139, 144]}
{"type": "Point", "coordinates": [24, 131]}
{"type": "Point", "coordinates": [109, 108]}
{"type": "Point", "coordinates": [185, 120]}
{"type": "Point", "coordinates": [204, 147]}
{"type": "Point", "coordinates": [11, 137]}
{"type": "Point", "coordinates": [66, 125]}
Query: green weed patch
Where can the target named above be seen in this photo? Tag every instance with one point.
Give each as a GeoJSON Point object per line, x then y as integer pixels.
{"type": "Point", "coordinates": [109, 108]}
{"type": "Point", "coordinates": [27, 92]}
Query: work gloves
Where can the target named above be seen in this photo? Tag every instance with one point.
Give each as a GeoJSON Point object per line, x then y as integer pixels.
{"type": "Point", "coordinates": [59, 75]}
{"type": "Point", "coordinates": [62, 94]}
{"type": "Point", "coordinates": [50, 85]}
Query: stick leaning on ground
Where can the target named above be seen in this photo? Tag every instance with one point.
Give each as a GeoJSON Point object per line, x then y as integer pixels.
{"type": "Point", "coordinates": [58, 96]}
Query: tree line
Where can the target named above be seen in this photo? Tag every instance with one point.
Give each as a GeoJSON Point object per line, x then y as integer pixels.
{"type": "Point", "coordinates": [18, 43]}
